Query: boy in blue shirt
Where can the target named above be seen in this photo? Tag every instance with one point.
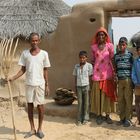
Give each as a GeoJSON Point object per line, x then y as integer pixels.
{"type": "Point", "coordinates": [83, 72]}
{"type": "Point", "coordinates": [136, 81]}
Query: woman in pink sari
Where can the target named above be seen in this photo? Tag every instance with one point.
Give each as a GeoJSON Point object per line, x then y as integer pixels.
{"type": "Point", "coordinates": [103, 89]}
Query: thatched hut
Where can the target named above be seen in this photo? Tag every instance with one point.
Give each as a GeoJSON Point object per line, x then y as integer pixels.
{"type": "Point", "coordinates": [21, 17]}
{"type": "Point", "coordinates": [18, 18]}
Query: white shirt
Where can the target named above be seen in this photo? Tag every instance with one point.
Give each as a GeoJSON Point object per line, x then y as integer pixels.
{"type": "Point", "coordinates": [34, 66]}
{"type": "Point", "coordinates": [83, 74]}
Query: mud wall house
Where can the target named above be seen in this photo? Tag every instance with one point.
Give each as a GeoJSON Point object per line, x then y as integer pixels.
{"type": "Point", "coordinates": [73, 32]}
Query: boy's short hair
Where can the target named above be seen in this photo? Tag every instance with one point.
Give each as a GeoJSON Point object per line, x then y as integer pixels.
{"type": "Point", "coordinates": [84, 53]}
{"type": "Point", "coordinates": [33, 34]}
{"type": "Point", "coordinates": [123, 40]}
{"type": "Point", "coordinates": [138, 47]}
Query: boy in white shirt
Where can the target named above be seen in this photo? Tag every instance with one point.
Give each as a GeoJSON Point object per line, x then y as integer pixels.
{"type": "Point", "coordinates": [34, 62]}
{"type": "Point", "coordinates": [83, 72]}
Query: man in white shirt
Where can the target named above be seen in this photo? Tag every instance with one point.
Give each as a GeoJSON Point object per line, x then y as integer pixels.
{"type": "Point", "coordinates": [34, 62]}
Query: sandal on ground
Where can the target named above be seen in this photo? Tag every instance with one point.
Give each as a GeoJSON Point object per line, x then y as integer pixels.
{"type": "Point", "coordinates": [121, 122]}
{"type": "Point", "coordinates": [99, 120]}
{"type": "Point", "coordinates": [78, 123]}
{"type": "Point", "coordinates": [108, 119]}
{"type": "Point", "coordinates": [29, 134]}
{"type": "Point", "coordinates": [127, 123]}
{"type": "Point", "coordinates": [85, 122]}
{"type": "Point", "coordinates": [40, 134]}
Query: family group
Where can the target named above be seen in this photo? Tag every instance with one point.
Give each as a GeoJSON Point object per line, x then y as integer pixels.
{"type": "Point", "coordinates": [109, 78]}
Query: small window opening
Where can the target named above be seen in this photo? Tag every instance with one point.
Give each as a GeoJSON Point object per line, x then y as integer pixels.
{"type": "Point", "coordinates": [92, 19]}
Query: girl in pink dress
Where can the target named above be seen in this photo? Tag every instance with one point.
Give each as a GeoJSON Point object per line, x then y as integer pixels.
{"type": "Point", "coordinates": [103, 89]}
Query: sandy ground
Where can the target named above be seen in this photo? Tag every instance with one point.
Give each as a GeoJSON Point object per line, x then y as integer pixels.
{"type": "Point", "coordinates": [63, 128]}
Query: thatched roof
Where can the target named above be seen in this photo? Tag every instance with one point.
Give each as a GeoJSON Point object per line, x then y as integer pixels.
{"type": "Point", "coordinates": [21, 17]}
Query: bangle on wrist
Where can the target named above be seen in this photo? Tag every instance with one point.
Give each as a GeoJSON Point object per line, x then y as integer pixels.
{"type": "Point", "coordinates": [46, 83]}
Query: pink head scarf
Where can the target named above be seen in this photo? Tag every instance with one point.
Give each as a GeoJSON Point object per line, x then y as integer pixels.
{"type": "Point", "coordinates": [95, 39]}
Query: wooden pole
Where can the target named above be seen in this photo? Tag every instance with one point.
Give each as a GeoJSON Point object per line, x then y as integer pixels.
{"type": "Point", "coordinates": [13, 112]}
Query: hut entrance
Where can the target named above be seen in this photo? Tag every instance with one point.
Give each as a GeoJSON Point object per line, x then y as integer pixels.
{"type": "Point", "coordinates": [127, 26]}
{"type": "Point", "coordinates": [123, 23]}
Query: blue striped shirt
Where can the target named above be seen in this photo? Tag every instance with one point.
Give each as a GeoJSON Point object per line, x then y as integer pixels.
{"type": "Point", "coordinates": [123, 63]}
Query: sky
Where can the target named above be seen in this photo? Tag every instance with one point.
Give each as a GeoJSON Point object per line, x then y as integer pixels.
{"type": "Point", "coordinates": [121, 26]}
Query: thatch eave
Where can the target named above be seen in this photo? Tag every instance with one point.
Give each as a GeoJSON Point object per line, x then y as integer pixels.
{"type": "Point", "coordinates": [18, 17]}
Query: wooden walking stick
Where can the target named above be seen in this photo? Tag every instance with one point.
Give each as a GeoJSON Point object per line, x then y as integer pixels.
{"type": "Point", "coordinates": [13, 111]}
{"type": "Point", "coordinates": [7, 59]}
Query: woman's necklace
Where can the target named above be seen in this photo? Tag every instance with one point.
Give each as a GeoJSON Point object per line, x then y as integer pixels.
{"type": "Point", "coordinates": [101, 46]}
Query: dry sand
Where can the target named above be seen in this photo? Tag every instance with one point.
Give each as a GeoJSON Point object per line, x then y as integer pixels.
{"type": "Point", "coordinates": [63, 128]}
